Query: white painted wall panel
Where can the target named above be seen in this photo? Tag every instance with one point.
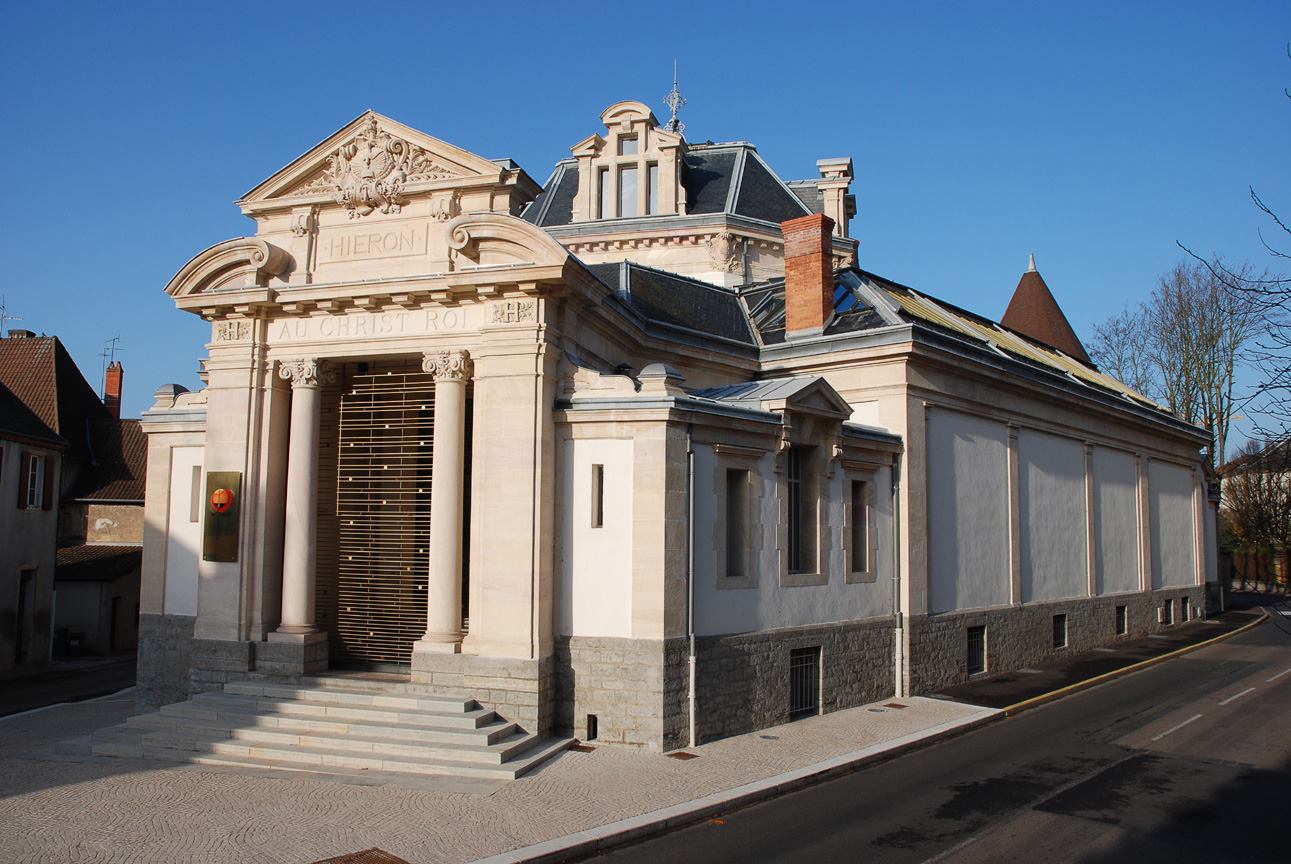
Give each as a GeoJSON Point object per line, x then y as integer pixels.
{"type": "Point", "coordinates": [1116, 521]}
{"type": "Point", "coordinates": [1054, 535]}
{"type": "Point", "coordinates": [968, 512]}
{"type": "Point", "coordinates": [1174, 536]}
{"type": "Point", "coordinates": [184, 534]}
{"type": "Point", "coordinates": [769, 605]}
{"type": "Point", "coordinates": [1212, 551]}
{"type": "Point", "coordinates": [595, 591]}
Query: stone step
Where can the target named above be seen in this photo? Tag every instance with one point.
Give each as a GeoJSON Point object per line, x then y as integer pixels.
{"type": "Point", "coordinates": [344, 696]}
{"type": "Point", "coordinates": [323, 758]}
{"type": "Point", "coordinates": [480, 749]}
{"type": "Point", "coordinates": [491, 732]}
{"type": "Point", "coordinates": [216, 700]}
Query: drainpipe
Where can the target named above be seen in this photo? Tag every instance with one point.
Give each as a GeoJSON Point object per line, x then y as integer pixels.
{"type": "Point", "coordinates": [898, 651]}
{"type": "Point", "coordinates": [690, 580]}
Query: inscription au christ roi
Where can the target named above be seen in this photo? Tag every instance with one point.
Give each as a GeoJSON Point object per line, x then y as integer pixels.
{"type": "Point", "coordinates": [370, 324]}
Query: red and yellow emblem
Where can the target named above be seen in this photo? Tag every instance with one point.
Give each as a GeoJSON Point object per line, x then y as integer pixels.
{"type": "Point", "coordinates": [221, 500]}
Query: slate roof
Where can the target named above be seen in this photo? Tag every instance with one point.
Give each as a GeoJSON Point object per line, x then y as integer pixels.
{"type": "Point", "coordinates": [91, 563]}
{"type": "Point", "coordinates": [121, 462]}
{"type": "Point", "coordinates": [719, 178]}
{"type": "Point", "coordinates": [17, 421]}
{"type": "Point", "coordinates": [677, 301]}
{"type": "Point", "coordinates": [40, 372]}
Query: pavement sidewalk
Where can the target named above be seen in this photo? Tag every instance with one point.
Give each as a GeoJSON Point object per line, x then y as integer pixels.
{"type": "Point", "coordinates": [58, 803]}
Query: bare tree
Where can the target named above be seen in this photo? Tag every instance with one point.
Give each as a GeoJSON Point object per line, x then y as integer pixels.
{"type": "Point", "coordinates": [1182, 346]}
{"type": "Point", "coordinates": [1257, 504]}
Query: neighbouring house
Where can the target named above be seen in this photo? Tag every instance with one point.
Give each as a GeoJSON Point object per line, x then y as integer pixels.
{"type": "Point", "coordinates": [95, 506]}
{"type": "Point", "coordinates": [642, 455]}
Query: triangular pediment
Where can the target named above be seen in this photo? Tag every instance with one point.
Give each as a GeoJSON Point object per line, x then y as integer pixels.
{"type": "Point", "coordinates": [371, 151]}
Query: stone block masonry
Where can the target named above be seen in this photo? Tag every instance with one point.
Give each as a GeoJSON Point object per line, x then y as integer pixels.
{"type": "Point", "coordinates": [743, 679]}
{"type": "Point", "coordinates": [1021, 636]}
{"type": "Point", "coordinates": [165, 653]}
{"type": "Point", "coordinates": [517, 689]}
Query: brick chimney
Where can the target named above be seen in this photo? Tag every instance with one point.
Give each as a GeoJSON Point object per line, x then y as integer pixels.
{"type": "Point", "coordinates": [112, 388]}
{"type": "Point", "coordinates": [808, 275]}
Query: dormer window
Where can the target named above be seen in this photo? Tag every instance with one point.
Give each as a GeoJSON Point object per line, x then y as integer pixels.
{"type": "Point", "coordinates": [633, 170]}
{"type": "Point", "coordinates": [628, 145]}
{"type": "Point", "coordinates": [652, 188]}
{"type": "Point", "coordinates": [627, 191]}
{"type": "Point", "coordinates": [603, 209]}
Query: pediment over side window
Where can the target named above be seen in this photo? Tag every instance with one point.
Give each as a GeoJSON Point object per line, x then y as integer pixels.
{"type": "Point", "coordinates": [807, 394]}
{"type": "Point", "coordinates": [376, 164]}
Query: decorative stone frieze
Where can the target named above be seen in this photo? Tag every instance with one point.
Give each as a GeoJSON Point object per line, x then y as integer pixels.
{"type": "Point", "coordinates": [232, 331]}
{"type": "Point", "coordinates": [448, 365]}
{"type": "Point", "coordinates": [514, 311]}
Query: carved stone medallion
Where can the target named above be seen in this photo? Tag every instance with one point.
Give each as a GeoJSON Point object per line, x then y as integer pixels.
{"type": "Point", "coordinates": [370, 171]}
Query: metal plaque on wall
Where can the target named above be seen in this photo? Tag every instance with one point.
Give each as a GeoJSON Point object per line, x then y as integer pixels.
{"type": "Point", "coordinates": [223, 503]}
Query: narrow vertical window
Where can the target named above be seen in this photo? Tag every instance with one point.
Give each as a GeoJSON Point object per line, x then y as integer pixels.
{"type": "Point", "coordinates": [1183, 610]}
{"type": "Point", "coordinates": [35, 481]}
{"type": "Point", "coordinates": [652, 188]}
{"type": "Point", "coordinates": [195, 495]}
{"type": "Point", "coordinates": [627, 191]}
{"type": "Point", "coordinates": [802, 512]}
{"type": "Point", "coordinates": [1060, 631]}
{"type": "Point", "coordinates": [1122, 623]}
{"type": "Point", "coordinates": [737, 523]}
{"type": "Point", "coordinates": [860, 516]}
{"type": "Point", "coordinates": [804, 682]}
{"type": "Point", "coordinates": [977, 650]}
{"type": "Point", "coordinates": [604, 204]}
{"type": "Point", "coordinates": [598, 496]}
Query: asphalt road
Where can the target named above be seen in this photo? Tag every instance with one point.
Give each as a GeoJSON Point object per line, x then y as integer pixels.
{"type": "Point", "coordinates": [67, 682]}
{"type": "Point", "coordinates": [1186, 761]}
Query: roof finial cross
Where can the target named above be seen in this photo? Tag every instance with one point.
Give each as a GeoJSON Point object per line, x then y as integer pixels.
{"type": "Point", "coordinates": [674, 101]}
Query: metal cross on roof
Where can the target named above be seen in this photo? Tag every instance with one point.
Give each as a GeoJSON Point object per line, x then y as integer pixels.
{"type": "Point", "coordinates": [674, 101]}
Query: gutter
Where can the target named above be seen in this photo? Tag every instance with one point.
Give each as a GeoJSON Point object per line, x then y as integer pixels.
{"type": "Point", "coordinates": [690, 584]}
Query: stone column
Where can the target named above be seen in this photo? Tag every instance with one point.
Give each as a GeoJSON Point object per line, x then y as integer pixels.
{"type": "Point", "coordinates": [300, 529]}
{"type": "Point", "coordinates": [451, 369]}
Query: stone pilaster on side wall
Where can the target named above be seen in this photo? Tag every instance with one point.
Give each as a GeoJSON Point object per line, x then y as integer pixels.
{"type": "Point", "coordinates": [1022, 636]}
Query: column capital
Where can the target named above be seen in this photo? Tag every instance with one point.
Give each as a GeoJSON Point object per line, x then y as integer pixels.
{"type": "Point", "coordinates": [305, 372]}
{"type": "Point", "coordinates": [448, 365]}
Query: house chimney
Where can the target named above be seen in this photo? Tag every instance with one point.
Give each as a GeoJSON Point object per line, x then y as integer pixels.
{"type": "Point", "coordinates": [835, 191]}
{"type": "Point", "coordinates": [21, 334]}
{"type": "Point", "coordinates": [112, 388]}
{"type": "Point", "coordinates": [808, 275]}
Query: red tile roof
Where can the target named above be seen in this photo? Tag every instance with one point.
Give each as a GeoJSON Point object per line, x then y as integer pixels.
{"type": "Point", "coordinates": [90, 563]}
{"type": "Point", "coordinates": [121, 461]}
{"type": "Point", "coordinates": [40, 372]}
{"type": "Point", "coordinates": [1035, 314]}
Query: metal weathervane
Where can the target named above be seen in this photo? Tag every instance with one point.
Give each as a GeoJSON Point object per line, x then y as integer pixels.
{"type": "Point", "coordinates": [674, 101]}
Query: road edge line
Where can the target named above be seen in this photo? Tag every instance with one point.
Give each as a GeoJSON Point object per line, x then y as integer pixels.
{"type": "Point", "coordinates": [1043, 698]}
{"type": "Point", "coordinates": [632, 829]}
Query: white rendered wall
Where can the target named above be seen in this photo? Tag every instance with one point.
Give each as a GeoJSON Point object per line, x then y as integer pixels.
{"type": "Point", "coordinates": [1116, 521]}
{"type": "Point", "coordinates": [1170, 491]}
{"type": "Point", "coordinates": [595, 589]}
{"type": "Point", "coordinates": [1054, 535]}
{"type": "Point", "coordinates": [766, 604]}
{"type": "Point", "coordinates": [183, 536]}
{"type": "Point", "coordinates": [866, 414]}
{"type": "Point", "coordinates": [968, 512]}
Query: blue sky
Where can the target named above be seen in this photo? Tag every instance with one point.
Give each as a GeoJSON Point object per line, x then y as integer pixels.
{"type": "Point", "coordinates": [1095, 134]}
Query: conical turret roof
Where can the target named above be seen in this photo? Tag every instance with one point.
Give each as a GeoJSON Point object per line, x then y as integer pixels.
{"type": "Point", "coordinates": [1034, 313]}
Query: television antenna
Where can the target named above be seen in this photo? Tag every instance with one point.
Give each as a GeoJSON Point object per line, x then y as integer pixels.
{"type": "Point", "coordinates": [5, 316]}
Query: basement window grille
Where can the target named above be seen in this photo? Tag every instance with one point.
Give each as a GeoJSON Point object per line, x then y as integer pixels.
{"type": "Point", "coordinates": [1060, 631]}
{"type": "Point", "coordinates": [1167, 612]}
{"type": "Point", "coordinates": [804, 682]}
{"type": "Point", "coordinates": [1184, 610]}
{"type": "Point", "coordinates": [1122, 622]}
{"type": "Point", "coordinates": [977, 650]}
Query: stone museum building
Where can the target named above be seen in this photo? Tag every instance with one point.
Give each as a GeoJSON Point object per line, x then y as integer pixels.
{"type": "Point", "coordinates": [642, 454]}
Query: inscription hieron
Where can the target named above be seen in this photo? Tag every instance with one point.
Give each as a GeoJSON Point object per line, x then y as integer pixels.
{"type": "Point", "coordinates": [359, 245]}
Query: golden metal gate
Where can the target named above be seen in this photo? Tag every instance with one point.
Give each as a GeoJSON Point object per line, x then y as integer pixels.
{"type": "Point", "coordinates": [383, 515]}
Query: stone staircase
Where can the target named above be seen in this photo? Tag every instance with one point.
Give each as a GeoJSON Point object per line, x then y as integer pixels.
{"type": "Point", "coordinates": [332, 725]}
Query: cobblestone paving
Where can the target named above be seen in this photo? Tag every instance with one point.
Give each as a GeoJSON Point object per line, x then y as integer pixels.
{"type": "Point", "coordinates": [59, 805]}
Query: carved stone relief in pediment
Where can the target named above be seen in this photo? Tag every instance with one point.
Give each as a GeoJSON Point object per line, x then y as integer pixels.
{"type": "Point", "coordinates": [369, 172]}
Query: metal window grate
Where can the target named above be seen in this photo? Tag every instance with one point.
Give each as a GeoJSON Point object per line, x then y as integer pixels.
{"type": "Point", "coordinates": [1060, 631]}
{"type": "Point", "coordinates": [383, 515]}
{"type": "Point", "coordinates": [1122, 622]}
{"type": "Point", "coordinates": [977, 649]}
{"type": "Point", "coordinates": [804, 682]}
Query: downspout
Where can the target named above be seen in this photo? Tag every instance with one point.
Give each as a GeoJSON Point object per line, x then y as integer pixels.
{"type": "Point", "coordinates": [898, 651]}
{"type": "Point", "coordinates": [690, 582]}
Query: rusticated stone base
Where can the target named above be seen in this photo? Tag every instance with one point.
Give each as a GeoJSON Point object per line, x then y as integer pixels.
{"type": "Point", "coordinates": [743, 679]}
{"type": "Point", "coordinates": [519, 690]}
{"type": "Point", "coordinates": [636, 689]}
{"type": "Point", "coordinates": [304, 656]}
{"type": "Point", "coordinates": [216, 661]}
{"type": "Point", "coordinates": [165, 650]}
{"type": "Point", "coordinates": [1022, 636]}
